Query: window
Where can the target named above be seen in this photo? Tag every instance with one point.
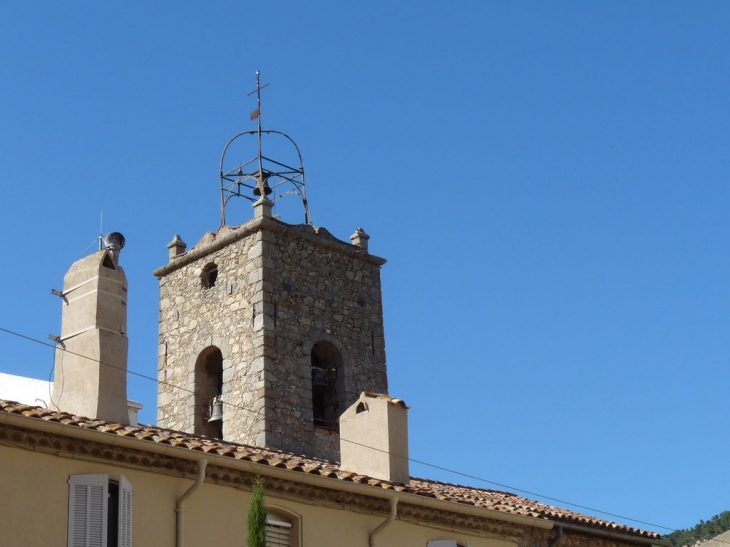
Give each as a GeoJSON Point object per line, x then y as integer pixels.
{"type": "Point", "coordinates": [283, 528]}
{"type": "Point", "coordinates": [99, 511]}
{"type": "Point", "coordinates": [209, 275]}
{"type": "Point", "coordinates": [278, 532]}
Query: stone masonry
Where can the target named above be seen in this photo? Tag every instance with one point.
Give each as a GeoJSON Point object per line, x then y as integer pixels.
{"type": "Point", "coordinates": [279, 290]}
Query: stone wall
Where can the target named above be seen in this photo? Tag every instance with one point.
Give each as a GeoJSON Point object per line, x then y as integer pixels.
{"type": "Point", "coordinates": [280, 289]}
{"type": "Point", "coordinates": [193, 318]}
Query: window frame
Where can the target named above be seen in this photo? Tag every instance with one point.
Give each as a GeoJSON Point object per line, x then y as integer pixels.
{"type": "Point", "coordinates": [284, 518]}
{"type": "Point", "coordinates": [276, 530]}
{"type": "Point", "coordinates": [88, 511]}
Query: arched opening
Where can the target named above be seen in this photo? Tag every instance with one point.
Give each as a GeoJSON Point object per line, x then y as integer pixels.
{"type": "Point", "coordinates": [208, 391]}
{"type": "Point", "coordinates": [209, 275]}
{"type": "Point", "coordinates": [328, 384]}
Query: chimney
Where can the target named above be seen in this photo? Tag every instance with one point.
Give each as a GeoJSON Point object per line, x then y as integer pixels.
{"type": "Point", "coordinates": [374, 438]}
{"type": "Point", "coordinates": [91, 374]}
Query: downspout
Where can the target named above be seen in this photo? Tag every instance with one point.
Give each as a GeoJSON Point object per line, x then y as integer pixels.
{"type": "Point", "coordinates": [181, 502]}
{"type": "Point", "coordinates": [557, 538]}
{"type": "Point", "coordinates": [386, 522]}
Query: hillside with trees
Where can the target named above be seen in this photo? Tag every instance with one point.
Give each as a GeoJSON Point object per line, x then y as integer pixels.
{"type": "Point", "coordinates": [701, 532]}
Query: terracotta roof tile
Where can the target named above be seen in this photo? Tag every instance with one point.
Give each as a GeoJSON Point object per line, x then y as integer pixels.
{"type": "Point", "coordinates": [391, 400]}
{"type": "Point", "coordinates": [468, 495]}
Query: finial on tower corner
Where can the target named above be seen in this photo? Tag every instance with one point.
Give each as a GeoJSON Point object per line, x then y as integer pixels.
{"type": "Point", "coordinates": [360, 239]}
{"type": "Point", "coordinates": [177, 247]}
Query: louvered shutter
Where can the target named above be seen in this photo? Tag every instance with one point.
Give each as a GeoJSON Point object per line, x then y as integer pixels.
{"type": "Point", "coordinates": [87, 510]}
{"type": "Point", "coordinates": [277, 533]}
{"type": "Point", "coordinates": [125, 512]}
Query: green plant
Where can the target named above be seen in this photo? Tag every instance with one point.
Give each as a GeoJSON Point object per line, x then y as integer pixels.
{"type": "Point", "coordinates": [701, 532]}
{"type": "Point", "coordinates": [257, 516]}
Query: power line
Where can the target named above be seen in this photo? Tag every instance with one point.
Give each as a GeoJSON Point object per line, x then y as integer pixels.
{"type": "Point", "coordinates": [420, 462]}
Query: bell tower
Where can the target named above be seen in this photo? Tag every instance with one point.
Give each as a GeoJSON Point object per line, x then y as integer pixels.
{"type": "Point", "coordinates": [268, 330]}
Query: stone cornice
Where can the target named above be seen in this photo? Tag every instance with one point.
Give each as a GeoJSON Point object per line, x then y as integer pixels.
{"type": "Point", "coordinates": [227, 235]}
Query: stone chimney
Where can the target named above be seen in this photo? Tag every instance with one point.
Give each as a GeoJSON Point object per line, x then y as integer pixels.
{"type": "Point", "coordinates": [91, 374]}
{"type": "Point", "coordinates": [374, 438]}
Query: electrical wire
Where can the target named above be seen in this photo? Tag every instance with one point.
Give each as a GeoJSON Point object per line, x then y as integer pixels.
{"type": "Point", "coordinates": [420, 462]}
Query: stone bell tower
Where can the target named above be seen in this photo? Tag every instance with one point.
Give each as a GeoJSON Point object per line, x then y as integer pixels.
{"type": "Point", "coordinates": [268, 330]}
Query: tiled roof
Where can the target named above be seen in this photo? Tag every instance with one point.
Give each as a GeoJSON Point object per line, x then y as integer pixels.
{"type": "Point", "coordinates": [391, 400]}
{"type": "Point", "coordinates": [491, 499]}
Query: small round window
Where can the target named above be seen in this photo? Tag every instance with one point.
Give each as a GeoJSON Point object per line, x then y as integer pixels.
{"type": "Point", "coordinates": [209, 275]}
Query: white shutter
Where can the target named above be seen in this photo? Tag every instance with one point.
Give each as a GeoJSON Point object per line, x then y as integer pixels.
{"type": "Point", "coordinates": [125, 512]}
{"type": "Point", "coordinates": [277, 533]}
{"type": "Point", "coordinates": [87, 510]}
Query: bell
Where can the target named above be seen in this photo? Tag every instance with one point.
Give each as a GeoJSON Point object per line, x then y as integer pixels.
{"type": "Point", "coordinates": [257, 190]}
{"type": "Point", "coordinates": [318, 378]}
{"type": "Point", "coordinates": [217, 413]}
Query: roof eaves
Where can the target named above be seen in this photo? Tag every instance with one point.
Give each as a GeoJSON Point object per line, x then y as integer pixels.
{"type": "Point", "coordinates": [504, 506]}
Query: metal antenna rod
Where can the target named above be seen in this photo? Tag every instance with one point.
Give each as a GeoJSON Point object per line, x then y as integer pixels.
{"type": "Point", "coordinates": [101, 229]}
{"type": "Point", "coordinates": [258, 107]}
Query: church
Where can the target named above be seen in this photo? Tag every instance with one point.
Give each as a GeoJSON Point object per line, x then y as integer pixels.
{"type": "Point", "coordinates": [272, 365]}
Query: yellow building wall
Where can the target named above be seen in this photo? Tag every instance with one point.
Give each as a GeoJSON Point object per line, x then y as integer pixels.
{"type": "Point", "coordinates": [34, 510]}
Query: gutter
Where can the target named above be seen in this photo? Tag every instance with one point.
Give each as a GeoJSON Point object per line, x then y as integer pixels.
{"type": "Point", "coordinates": [557, 538]}
{"type": "Point", "coordinates": [386, 522]}
{"type": "Point", "coordinates": [180, 509]}
{"type": "Point", "coordinates": [77, 432]}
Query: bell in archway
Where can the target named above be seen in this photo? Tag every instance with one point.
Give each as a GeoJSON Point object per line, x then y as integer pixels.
{"type": "Point", "coordinates": [216, 414]}
{"type": "Point", "coordinates": [319, 381]}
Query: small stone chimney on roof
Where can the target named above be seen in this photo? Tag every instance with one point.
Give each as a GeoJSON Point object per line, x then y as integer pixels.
{"type": "Point", "coordinates": [91, 360]}
{"type": "Point", "coordinates": [374, 438]}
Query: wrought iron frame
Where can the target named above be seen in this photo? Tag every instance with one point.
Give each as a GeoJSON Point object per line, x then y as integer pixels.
{"type": "Point", "coordinates": [252, 173]}
{"type": "Point", "coordinates": [256, 173]}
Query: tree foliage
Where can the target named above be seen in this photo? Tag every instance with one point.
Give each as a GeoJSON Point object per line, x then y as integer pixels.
{"type": "Point", "coordinates": [701, 532]}
{"type": "Point", "coordinates": [257, 516]}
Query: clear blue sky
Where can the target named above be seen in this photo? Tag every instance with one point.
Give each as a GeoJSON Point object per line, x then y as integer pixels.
{"type": "Point", "coordinates": [548, 181]}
